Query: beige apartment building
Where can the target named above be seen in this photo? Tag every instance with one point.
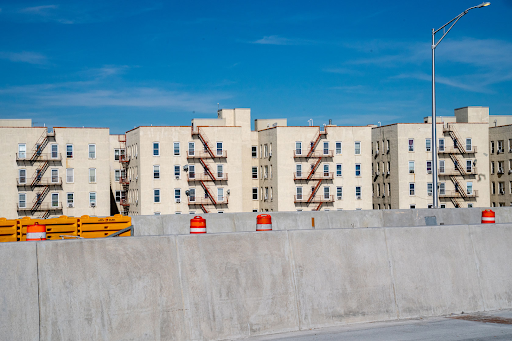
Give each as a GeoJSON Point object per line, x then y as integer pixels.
{"type": "Point", "coordinates": [500, 151]}
{"type": "Point", "coordinates": [402, 162]}
{"type": "Point", "coordinates": [45, 173]}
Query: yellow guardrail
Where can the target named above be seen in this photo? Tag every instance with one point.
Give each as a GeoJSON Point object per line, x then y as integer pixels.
{"type": "Point", "coordinates": [8, 230]}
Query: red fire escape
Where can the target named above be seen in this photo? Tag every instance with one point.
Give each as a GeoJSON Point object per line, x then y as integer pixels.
{"type": "Point", "coordinates": [123, 179]}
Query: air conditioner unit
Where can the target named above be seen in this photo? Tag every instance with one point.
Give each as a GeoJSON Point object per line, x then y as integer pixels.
{"type": "Point", "coordinates": [93, 204]}
{"type": "Point", "coordinates": [358, 197]}
{"type": "Point", "coordinates": [270, 154]}
{"type": "Point", "coordinates": [70, 205]}
{"type": "Point", "coordinates": [411, 171]}
{"type": "Point", "coordinates": [500, 171]}
{"type": "Point", "coordinates": [377, 173]}
{"type": "Point", "coordinates": [429, 194]}
{"type": "Point", "coordinates": [387, 173]}
{"type": "Point", "coordinates": [429, 172]}
{"type": "Point", "coordinates": [177, 177]}
{"type": "Point", "coordinates": [178, 201]}
{"type": "Point", "coordinates": [137, 178]}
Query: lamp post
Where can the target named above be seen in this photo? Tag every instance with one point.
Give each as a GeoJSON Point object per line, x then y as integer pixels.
{"type": "Point", "coordinates": [435, 192]}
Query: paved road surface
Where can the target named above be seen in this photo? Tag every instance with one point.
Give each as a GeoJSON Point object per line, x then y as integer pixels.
{"type": "Point", "coordinates": [495, 325]}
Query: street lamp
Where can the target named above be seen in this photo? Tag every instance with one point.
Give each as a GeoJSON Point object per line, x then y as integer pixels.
{"type": "Point", "coordinates": [434, 135]}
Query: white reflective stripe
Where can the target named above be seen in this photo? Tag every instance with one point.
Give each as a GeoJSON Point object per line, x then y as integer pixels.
{"type": "Point", "coordinates": [488, 218]}
{"type": "Point", "coordinates": [263, 227]}
{"type": "Point", "coordinates": [36, 235]}
{"type": "Point", "coordinates": [198, 229]}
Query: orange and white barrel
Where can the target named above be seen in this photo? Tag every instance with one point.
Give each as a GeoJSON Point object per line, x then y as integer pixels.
{"type": "Point", "coordinates": [488, 217]}
{"type": "Point", "coordinates": [36, 232]}
{"type": "Point", "coordinates": [197, 225]}
{"type": "Point", "coordinates": [263, 222]}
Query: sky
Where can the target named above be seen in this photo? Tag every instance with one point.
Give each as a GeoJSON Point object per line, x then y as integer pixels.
{"type": "Point", "coordinates": [121, 64]}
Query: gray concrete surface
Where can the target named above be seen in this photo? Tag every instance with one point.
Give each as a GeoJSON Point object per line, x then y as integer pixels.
{"type": "Point", "coordinates": [428, 329]}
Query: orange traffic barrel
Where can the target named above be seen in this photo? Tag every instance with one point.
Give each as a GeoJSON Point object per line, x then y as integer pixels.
{"type": "Point", "coordinates": [263, 222]}
{"type": "Point", "coordinates": [36, 232]}
{"type": "Point", "coordinates": [197, 225]}
{"type": "Point", "coordinates": [488, 217]}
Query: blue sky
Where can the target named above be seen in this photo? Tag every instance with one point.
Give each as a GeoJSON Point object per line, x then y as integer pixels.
{"type": "Point", "coordinates": [121, 64]}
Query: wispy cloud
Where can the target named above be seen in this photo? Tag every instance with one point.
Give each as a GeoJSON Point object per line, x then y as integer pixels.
{"type": "Point", "coordinates": [344, 71]}
{"type": "Point", "coordinates": [277, 40]}
{"type": "Point", "coordinates": [40, 10]}
{"type": "Point", "coordinates": [24, 57]}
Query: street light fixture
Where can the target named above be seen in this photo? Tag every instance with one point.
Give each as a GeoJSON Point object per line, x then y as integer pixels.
{"type": "Point", "coordinates": [434, 135]}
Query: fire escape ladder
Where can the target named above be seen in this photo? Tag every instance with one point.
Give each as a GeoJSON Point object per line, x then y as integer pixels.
{"type": "Point", "coordinates": [312, 172]}
{"type": "Point", "coordinates": [319, 206]}
{"type": "Point", "coordinates": [205, 141]}
{"type": "Point", "coordinates": [40, 145]}
{"type": "Point", "coordinates": [208, 193]}
{"type": "Point", "coordinates": [45, 214]}
{"type": "Point", "coordinates": [38, 200]}
{"type": "Point", "coordinates": [455, 136]}
{"type": "Point", "coordinates": [39, 174]}
{"type": "Point", "coordinates": [313, 192]}
{"type": "Point", "coordinates": [455, 203]}
{"type": "Point", "coordinates": [314, 144]}
{"type": "Point", "coordinates": [458, 186]}
{"type": "Point", "coordinates": [207, 169]}
{"type": "Point", "coordinates": [458, 165]}
{"type": "Point", "coordinates": [204, 209]}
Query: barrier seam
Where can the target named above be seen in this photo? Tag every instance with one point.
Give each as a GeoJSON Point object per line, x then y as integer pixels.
{"type": "Point", "coordinates": [38, 292]}
{"type": "Point", "coordinates": [185, 310]}
{"type": "Point", "coordinates": [294, 279]}
{"type": "Point", "coordinates": [392, 273]}
{"type": "Point", "coordinates": [477, 266]}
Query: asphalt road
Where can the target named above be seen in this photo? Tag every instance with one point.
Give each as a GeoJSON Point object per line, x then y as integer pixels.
{"type": "Point", "coordinates": [495, 325]}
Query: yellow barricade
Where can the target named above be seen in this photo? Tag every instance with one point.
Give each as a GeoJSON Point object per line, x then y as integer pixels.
{"type": "Point", "coordinates": [62, 227]}
{"type": "Point", "coordinates": [9, 230]}
{"type": "Point", "coordinates": [94, 227]}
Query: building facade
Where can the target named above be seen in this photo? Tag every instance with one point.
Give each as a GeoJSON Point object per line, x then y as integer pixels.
{"type": "Point", "coordinates": [500, 152]}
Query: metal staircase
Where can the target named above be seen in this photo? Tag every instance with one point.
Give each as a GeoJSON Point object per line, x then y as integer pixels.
{"type": "Point", "coordinates": [38, 200]}
{"type": "Point", "coordinates": [313, 192]}
{"type": "Point", "coordinates": [204, 139]}
{"type": "Point", "coordinates": [208, 193]}
{"type": "Point", "coordinates": [123, 180]}
{"type": "Point", "coordinates": [313, 169]}
{"type": "Point", "coordinates": [207, 170]}
{"type": "Point", "coordinates": [450, 129]}
{"type": "Point", "coordinates": [38, 175]}
{"type": "Point", "coordinates": [41, 143]}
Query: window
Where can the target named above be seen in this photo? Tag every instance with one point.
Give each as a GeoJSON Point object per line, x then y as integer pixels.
{"type": "Point", "coordinates": [501, 166]}
{"type": "Point", "coordinates": [468, 144]}
{"type": "Point", "coordinates": [70, 199]}
{"type": "Point", "coordinates": [55, 199]}
{"type": "Point", "coordinates": [55, 151]}
{"type": "Point", "coordinates": [500, 146]}
{"type": "Point", "coordinates": [326, 170]}
{"type": "Point", "coordinates": [358, 192]}
{"type": "Point", "coordinates": [298, 148]}
{"type": "Point", "coordinates": [298, 170]}
{"type": "Point", "coordinates": [55, 176]}
{"type": "Point", "coordinates": [441, 166]}
{"type": "Point", "coordinates": [69, 151]}
{"type": "Point", "coordinates": [493, 188]}
{"type": "Point", "coordinates": [177, 195]}
{"type": "Point", "coordinates": [117, 152]}
{"type": "Point", "coordinates": [492, 167]}
{"type": "Point", "coordinates": [441, 145]}
{"type": "Point", "coordinates": [429, 189]}
{"type": "Point", "coordinates": [254, 151]}
{"type": "Point", "coordinates": [357, 148]}
{"type": "Point", "coordinates": [389, 189]}
{"type": "Point", "coordinates": [92, 199]}
{"type": "Point", "coordinates": [92, 151]}
{"type": "Point", "coordinates": [118, 196]}
{"type": "Point", "coordinates": [192, 171]}
{"type": "Point", "coordinates": [156, 172]}
{"type": "Point", "coordinates": [411, 145]}
{"type": "Point", "coordinates": [428, 143]}
{"type": "Point", "coordinates": [442, 188]}
{"type": "Point", "coordinates": [117, 175]}
{"type": "Point", "coordinates": [443, 205]}
{"type": "Point", "coordinates": [70, 175]}
{"type": "Point", "coordinates": [412, 207]}
{"type": "Point", "coordinates": [470, 205]}
{"type": "Point", "coordinates": [338, 148]}
{"type": "Point", "coordinates": [92, 175]}
{"type": "Point", "coordinates": [266, 193]}
{"type": "Point", "coordinates": [492, 147]}
{"type": "Point", "coordinates": [176, 149]}
{"type": "Point", "coordinates": [156, 149]}
{"type": "Point", "coordinates": [469, 166]}
{"type": "Point", "coordinates": [358, 169]}
{"type": "Point", "coordinates": [265, 175]}
{"type": "Point", "coordinates": [501, 187]}
{"type": "Point", "coordinates": [411, 166]}
{"type": "Point", "coordinates": [378, 190]}
{"type": "Point", "coordinates": [22, 200]}
{"type": "Point", "coordinates": [339, 193]}
{"type": "Point", "coordinates": [326, 148]}
{"type": "Point", "coordinates": [377, 147]}
{"type": "Point", "coordinates": [191, 149]}
{"type": "Point", "coordinates": [429, 167]}
{"type": "Point", "coordinates": [22, 176]}
{"type": "Point", "coordinates": [255, 193]}
{"type": "Point", "coordinates": [326, 192]}
{"type": "Point", "coordinates": [220, 171]}
{"type": "Point", "coordinates": [192, 194]}
{"type": "Point", "coordinates": [298, 192]}
{"type": "Point", "coordinates": [219, 149]}
{"type": "Point", "coordinates": [22, 151]}
{"type": "Point", "coordinates": [469, 187]}
{"type": "Point", "coordinates": [156, 195]}
{"type": "Point", "coordinates": [177, 171]}
{"type": "Point", "coordinates": [220, 194]}
{"type": "Point", "coordinates": [411, 188]}
{"type": "Point", "coordinates": [265, 149]}
{"type": "Point", "coordinates": [339, 170]}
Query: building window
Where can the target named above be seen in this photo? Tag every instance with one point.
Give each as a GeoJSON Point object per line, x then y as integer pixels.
{"type": "Point", "coordinates": [118, 196]}
{"type": "Point", "coordinates": [220, 194]}
{"type": "Point", "coordinates": [298, 192]}
{"type": "Point", "coordinates": [55, 151]}
{"type": "Point", "coordinates": [428, 143]}
{"type": "Point", "coordinates": [55, 176]}
{"type": "Point", "coordinates": [254, 152]}
{"type": "Point", "coordinates": [298, 170]}
{"type": "Point", "coordinates": [55, 199]}
{"type": "Point", "coordinates": [70, 175]}
{"type": "Point", "coordinates": [22, 176]}
{"type": "Point", "coordinates": [117, 175]}
{"type": "Point", "coordinates": [191, 149]}
{"type": "Point", "coordinates": [156, 149]}
{"type": "Point", "coordinates": [177, 171]}
{"type": "Point", "coordinates": [220, 171]}
{"type": "Point", "coordinates": [92, 151]}
{"type": "Point", "coordinates": [265, 174]}
{"type": "Point", "coordinates": [192, 171]}
{"type": "Point", "coordinates": [117, 152]}
{"type": "Point", "coordinates": [469, 188]}
{"type": "Point", "coordinates": [443, 206]}
{"type": "Point", "coordinates": [411, 166]}
{"type": "Point", "coordinates": [338, 148]}
{"type": "Point", "coordinates": [326, 148]}
{"type": "Point", "coordinates": [327, 193]}
{"type": "Point", "coordinates": [492, 167]}
{"type": "Point", "coordinates": [411, 188]}
{"type": "Point", "coordinates": [358, 169]}
{"type": "Point", "coordinates": [177, 195]}
{"type": "Point", "coordinates": [156, 172]}
{"type": "Point", "coordinates": [255, 172]}
{"type": "Point", "coordinates": [339, 193]}
{"type": "Point", "coordinates": [492, 147]}
{"type": "Point", "coordinates": [441, 145]}
{"type": "Point", "coordinates": [412, 207]}
{"type": "Point", "coordinates": [156, 195]}
{"type": "Point", "coordinates": [468, 144]}
{"type": "Point", "coordinates": [255, 193]}
{"type": "Point", "coordinates": [470, 205]}
{"type": "Point", "coordinates": [92, 175]}
{"type": "Point", "coordinates": [442, 188]}
{"type": "Point", "coordinates": [219, 149]}
{"type": "Point", "coordinates": [441, 166]}
{"type": "Point", "coordinates": [265, 150]}
{"type": "Point", "coordinates": [389, 189]}
{"type": "Point", "coordinates": [70, 200]}
{"type": "Point", "coordinates": [69, 151]}
{"type": "Point", "coordinates": [429, 167]}
{"type": "Point", "coordinates": [22, 151]}
{"type": "Point", "coordinates": [92, 199]}
{"type": "Point", "coordinates": [357, 148]}
{"type": "Point", "coordinates": [501, 187]}
{"type": "Point", "coordinates": [339, 170]}
{"type": "Point", "coordinates": [429, 189]}
{"type": "Point", "coordinates": [22, 200]}
{"type": "Point", "coordinates": [411, 145]}
{"type": "Point", "coordinates": [298, 148]}
{"type": "Point", "coordinates": [469, 166]}
{"type": "Point", "coordinates": [192, 194]}
{"type": "Point", "coordinates": [500, 146]}
{"type": "Point", "coordinates": [326, 170]}
{"type": "Point", "coordinates": [176, 149]}
{"type": "Point", "coordinates": [358, 192]}
{"type": "Point", "coordinates": [501, 166]}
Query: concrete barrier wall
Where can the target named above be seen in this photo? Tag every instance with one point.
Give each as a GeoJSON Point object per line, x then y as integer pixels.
{"type": "Point", "coordinates": [244, 222]}
{"type": "Point", "coordinates": [235, 285]}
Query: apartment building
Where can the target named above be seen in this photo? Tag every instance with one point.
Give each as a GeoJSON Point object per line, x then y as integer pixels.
{"type": "Point", "coordinates": [500, 152]}
{"type": "Point", "coordinates": [51, 172]}
{"type": "Point", "coordinates": [402, 162]}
